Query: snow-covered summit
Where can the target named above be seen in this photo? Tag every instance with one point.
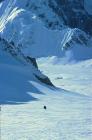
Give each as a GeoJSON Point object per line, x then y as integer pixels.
{"type": "Point", "coordinates": [36, 27]}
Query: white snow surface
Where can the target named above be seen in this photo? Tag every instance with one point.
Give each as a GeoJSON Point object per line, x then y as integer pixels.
{"type": "Point", "coordinates": [69, 108]}
{"type": "Point", "coordinates": [69, 113]}
{"type": "Point", "coordinates": [73, 76]}
{"type": "Point", "coordinates": [67, 117]}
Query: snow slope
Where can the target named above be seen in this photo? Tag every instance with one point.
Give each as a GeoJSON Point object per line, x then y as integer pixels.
{"type": "Point", "coordinates": [15, 73]}
{"type": "Point", "coordinates": [73, 76]}
{"type": "Point", "coordinates": [68, 116]}
{"type": "Point", "coordinates": [27, 29]}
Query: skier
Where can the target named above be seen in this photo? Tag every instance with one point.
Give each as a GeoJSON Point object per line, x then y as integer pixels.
{"type": "Point", "coordinates": [45, 107]}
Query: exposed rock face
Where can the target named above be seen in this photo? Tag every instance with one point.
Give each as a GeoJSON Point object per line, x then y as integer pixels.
{"type": "Point", "coordinates": [44, 80]}
{"type": "Point", "coordinates": [65, 14]}
{"type": "Point", "coordinates": [73, 13]}
{"type": "Point", "coordinates": [15, 52]}
{"type": "Point", "coordinates": [1, 0]}
{"type": "Point", "coordinates": [32, 60]}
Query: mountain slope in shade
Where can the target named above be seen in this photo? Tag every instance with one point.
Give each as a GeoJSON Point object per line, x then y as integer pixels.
{"type": "Point", "coordinates": [16, 71]}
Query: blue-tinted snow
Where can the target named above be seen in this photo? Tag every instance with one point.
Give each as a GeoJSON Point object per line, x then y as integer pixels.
{"type": "Point", "coordinates": [68, 115]}
{"type": "Point", "coordinates": [88, 6]}
{"type": "Point", "coordinates": [33, 37]}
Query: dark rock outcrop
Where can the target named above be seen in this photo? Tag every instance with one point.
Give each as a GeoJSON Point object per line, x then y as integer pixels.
{"type": "Point", "coordinates": [44, 80]}
{"type": "Point", "coordinates": [73, 14]}
{"type": "Point", "coordinates": [32, 60]}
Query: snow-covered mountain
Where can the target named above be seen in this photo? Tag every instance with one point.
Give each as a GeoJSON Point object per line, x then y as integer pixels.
{"type": "Point", "coordinates": [60, 29]}
{"type": "Point", "coordinates": [31, 29]}
{"type": "Point", "coordinates": [16, 73]}
{"type": "Point", "coordinates": [36, 27]}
